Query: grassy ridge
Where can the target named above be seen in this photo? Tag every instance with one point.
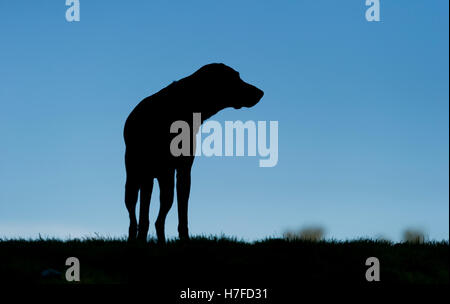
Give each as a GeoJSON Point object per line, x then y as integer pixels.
{"type": "Point", "coordinates": [217, 261]}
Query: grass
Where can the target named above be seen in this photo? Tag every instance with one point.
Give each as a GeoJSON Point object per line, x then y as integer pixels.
{"type": "Point", "coordinates": [213, 261]}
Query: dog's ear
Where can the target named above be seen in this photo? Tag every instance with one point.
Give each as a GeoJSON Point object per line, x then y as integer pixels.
{"type": "Point", "coordinates": [212, 69]}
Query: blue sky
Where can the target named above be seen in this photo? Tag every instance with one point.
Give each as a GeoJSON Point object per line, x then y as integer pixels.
{"type": "Point", "coordinates": [363, 111]}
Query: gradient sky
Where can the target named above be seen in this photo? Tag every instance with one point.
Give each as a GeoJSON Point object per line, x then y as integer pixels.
{"type": "Point", "coordinates": [363, 111]}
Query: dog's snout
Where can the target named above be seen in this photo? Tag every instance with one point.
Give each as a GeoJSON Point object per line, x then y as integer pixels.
{"type": "Point", "coordinates": [259, 93]}
{"type": "Point", "coordinates": [250, 95]}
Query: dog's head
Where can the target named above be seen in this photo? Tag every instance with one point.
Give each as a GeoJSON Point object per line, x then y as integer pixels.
{"type": "Point", "coordinates": [226, 87]}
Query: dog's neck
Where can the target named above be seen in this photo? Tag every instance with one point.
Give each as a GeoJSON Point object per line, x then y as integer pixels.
{"type": "Point", "coordinates": [194, 98]}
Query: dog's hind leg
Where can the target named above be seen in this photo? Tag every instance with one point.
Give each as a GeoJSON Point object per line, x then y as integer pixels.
{"type": "Point", "coordinates": [131, 195]}
{"type": "Point", "coordinates": [166, 188]}
{"type": "Point", "coordinates": [146, 193]}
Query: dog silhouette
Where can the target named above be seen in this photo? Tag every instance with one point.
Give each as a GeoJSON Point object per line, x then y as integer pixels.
{"type": "Point", "coordinates": [147, 135]}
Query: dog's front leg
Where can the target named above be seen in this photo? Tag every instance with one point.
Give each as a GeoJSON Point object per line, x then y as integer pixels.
{"type": "Point", "coordinates": [183, 190]}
